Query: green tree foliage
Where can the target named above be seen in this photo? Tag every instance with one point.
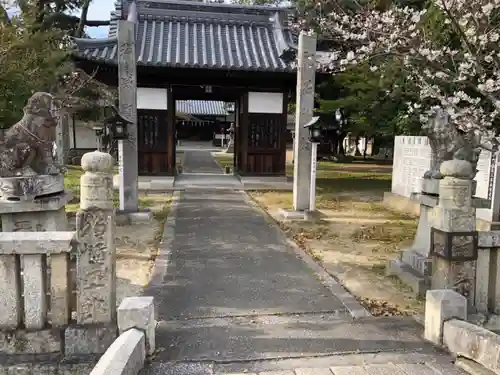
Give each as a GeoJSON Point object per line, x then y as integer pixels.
{"type": "Point", "coordinates": [57, 14]}
{"type": "Point", "coordinates": [375, 106]}
{"type": "Point", "coordinates": [34, 53]}
{"type": "Point", "coordinates": [29, 62]}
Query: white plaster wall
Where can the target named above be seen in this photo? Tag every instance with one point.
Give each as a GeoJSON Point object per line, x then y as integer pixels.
{"type": "Point", "coordinates": [151, 98]}
{"type": "Point", "coordinates": [412, 158]}
{"type": "Point", "coordinates": [85, 137]}
{"type": "Point", "coordinates": [265, 102]}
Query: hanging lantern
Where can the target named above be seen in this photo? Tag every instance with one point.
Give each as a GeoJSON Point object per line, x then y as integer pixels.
{"type": "Point", "coordinates": [314, 130]}
{"type": "Point", "coordinates": [117, 126]}
{"type": "Point", "coordinates": [229, 107]}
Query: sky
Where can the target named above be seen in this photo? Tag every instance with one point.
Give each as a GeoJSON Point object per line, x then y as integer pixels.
{"type": "Point", "coordinates": [99, 10]}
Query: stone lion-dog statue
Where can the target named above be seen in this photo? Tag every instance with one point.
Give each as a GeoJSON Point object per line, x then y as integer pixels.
{"type": "Point", "coordinates": [26, 148]}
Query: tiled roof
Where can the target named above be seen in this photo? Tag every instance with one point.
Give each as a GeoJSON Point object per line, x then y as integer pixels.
{"type": "Point", "coordinates": [198, 35]}
{"type": "Point", "coordinates": [201, 107]}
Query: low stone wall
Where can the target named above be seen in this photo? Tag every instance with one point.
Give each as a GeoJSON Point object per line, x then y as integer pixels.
{"type": "Point", "coordinates": [32, 366]}
{"type": "Point", "coordinates": [446, 325]}
{"type": "Point", "coordinates": [136, 323]}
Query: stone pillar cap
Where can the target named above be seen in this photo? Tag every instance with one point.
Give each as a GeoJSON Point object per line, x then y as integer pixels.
{"type": "Point", "coordinates": [97, 161]}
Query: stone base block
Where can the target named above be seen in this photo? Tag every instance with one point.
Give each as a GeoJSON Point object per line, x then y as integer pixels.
{"type": "Point", "coordinates": [139, 313]}
{"type": "Point", "coordinates": [289, 215]}
{"type": "Point", "coordinates": [440, 306]}
{"type": "Point", "coordinates": [28, 188]}
{"type": "Point", "coordinates": [130, 218]}
{"type": "Point", "coordinates": [145, 183]}
{"type": "Point", "coordinates": [409, 276]}
{"type": "Point", "coordinates": [282, 183]}
{"type": "Point", "coordinates": [31, 342]}
{"type": "Point", "coordinates": [51, 203]}
{"type": "Point", "coordinates": [140, 217]}
{"type": "Point", "coordinates": [89, 339]}
{"type": "Point", "coordinates": [417, 261]}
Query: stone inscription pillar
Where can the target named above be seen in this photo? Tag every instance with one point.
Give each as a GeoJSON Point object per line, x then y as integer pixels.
{"type": "Point", "coordinates": [62, 137]}
{"type": "Point", "coordinates": [127, 95]}
{"type": "Point", "coordinates": [304, 113]}
{"type": "Point", "coordinates": [95, 221]}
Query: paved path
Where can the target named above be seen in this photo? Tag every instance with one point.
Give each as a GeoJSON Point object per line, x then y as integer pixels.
{"type": "Point", "coordinates": [237, 298]}
{"type": "Point", "coordinates": [200, 162]}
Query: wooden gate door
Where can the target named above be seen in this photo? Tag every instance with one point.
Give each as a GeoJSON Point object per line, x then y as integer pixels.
{"type": "Point", "coordinates": [152, 142]}
{"type": "Point", "coordinates": [266, 144]}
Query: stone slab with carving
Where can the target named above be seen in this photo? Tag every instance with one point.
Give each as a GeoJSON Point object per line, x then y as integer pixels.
{"type": "Point", "coordinates": [26, 188]}
{"type": "Point", "coordinates": [26, 148]}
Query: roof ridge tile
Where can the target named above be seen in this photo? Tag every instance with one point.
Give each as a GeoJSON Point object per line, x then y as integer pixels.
{"type": "Point", "coordinates": [193, 41]}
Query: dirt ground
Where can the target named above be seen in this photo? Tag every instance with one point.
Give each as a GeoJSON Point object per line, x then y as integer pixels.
{"type": "Point", "coordinates": [353, 236]}
{"type": "Point", "coordinates": [137, 247]}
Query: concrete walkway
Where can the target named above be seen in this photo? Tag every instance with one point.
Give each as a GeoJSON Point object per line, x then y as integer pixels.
{"type": "Point", "coordinates": [233, 296]}
{"type": "Point", "coordinates": [200, 161]}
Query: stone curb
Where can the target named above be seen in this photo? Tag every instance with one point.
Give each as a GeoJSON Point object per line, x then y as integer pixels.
{"type": "Point", "coordinates": [356, 310]}
{"type": "Point", "coordinates": [164, 249]}
{"type": "Point", "coordinates": [217, 162]}
{"type": "Point", "coordinates": [472, 342]}
{"type": "Point", "coordinates": [125, 356]}
{"type": "Point", "coordinates": [472, 367]}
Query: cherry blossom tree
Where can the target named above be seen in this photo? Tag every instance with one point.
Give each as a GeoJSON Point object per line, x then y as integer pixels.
{"type": "Point", "coordinates": [459, 74]}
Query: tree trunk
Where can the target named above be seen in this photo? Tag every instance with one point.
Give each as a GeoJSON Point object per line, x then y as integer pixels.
{"type": "Point", "coordinates": [340, 143]}
{"type": "Point", "coordinates": [4, 17]}
{"type": "Point", "coordinates": [357, 153]}
{"type": "Point", "coordinates": [365, 147]}
{"type": "Point", "coordinates": [83, 19]}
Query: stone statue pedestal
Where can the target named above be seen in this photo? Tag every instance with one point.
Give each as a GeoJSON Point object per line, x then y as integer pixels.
{"type": "Point", "coordinates": [33, 203]}
{"type": "Point", "coordinates": [414, 267]}
{"type": "Point", "coordinates": [454, 236]}
{"type": "Point", "coordinates": [430, 186]}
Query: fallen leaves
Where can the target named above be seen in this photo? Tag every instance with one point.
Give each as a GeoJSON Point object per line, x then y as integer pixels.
{"type": "Point", "coordinates": [381, 308]}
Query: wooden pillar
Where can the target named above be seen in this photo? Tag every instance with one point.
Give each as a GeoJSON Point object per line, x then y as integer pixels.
{"type": "Point", "coordinates": [244, 134]}
{"type": "Point", "coordinates": [236, 136]}
{"type": "Point", "coordinates": [283, 135]}
{"type": "Point", "coordinates": [171, 159]}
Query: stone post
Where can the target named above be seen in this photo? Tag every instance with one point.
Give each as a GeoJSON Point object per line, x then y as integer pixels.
{"type": "Point", "coordinates": [96, 275]}
{"type": "Point", "coordinates": [95, 268]}
{"type": "Point", "coordinates": [127, 96]}
{"type": "Point", "coordinates": [62, 136]}
{"type": "Point", "coordinates": [454, 236]}
{"type": "Point", "coordinates": [304, 113]}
